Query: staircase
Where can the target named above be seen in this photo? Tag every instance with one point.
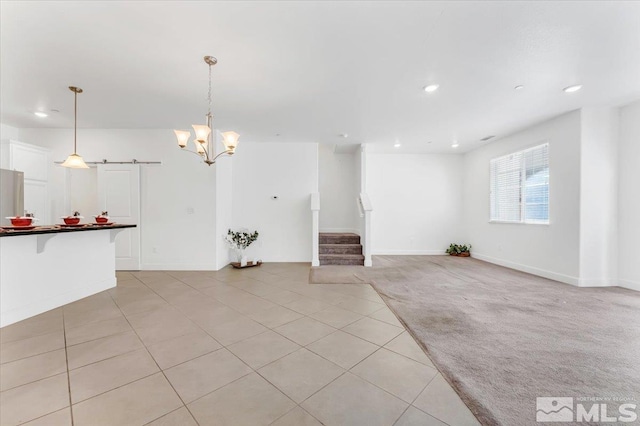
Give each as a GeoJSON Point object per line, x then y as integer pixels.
{"type": "Point", "coordinates": [340, 249]}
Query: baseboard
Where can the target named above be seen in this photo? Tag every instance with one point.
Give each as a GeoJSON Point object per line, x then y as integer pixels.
{"type": "Point", "coordinates": [631, 285]}
{"type": "Point", "coordinates": [178, 267]}
{"type": "Point", "coordinates": [339, 230]}
{"type": "Point", "coordinates": [597, 282]}
{"type": "Point", "coordinates": [529, 269]}
{"type": "Point", "coordinates": [408, 252]}
{"type": "Point", "coordinates": [44, 305]}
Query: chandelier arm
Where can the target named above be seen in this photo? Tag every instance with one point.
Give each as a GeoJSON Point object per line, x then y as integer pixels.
{"type": "Point", "coordinates": [193, 152]}
{"type": "Point", "coordinates": [222, 153]}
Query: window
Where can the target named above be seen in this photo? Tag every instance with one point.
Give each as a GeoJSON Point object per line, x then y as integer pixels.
{"type": "Point", "coordinates": [520, 186]}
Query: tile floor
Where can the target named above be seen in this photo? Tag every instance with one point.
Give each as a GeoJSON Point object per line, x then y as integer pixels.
{"type": "Point", "coordinates": [259, 346]}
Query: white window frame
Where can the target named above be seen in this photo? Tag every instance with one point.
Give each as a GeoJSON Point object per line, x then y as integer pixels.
{"type": "Point", "coordinates": [523, 170]}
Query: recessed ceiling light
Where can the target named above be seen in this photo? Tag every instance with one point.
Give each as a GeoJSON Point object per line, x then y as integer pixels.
{"type": "Point", "coordinates": [455, 144]}
{"type": "Point", "coordinates": [486, 138]}
{"type": "Point", "coordinates": [55, 110]}
{"type": "Point", "coordinates": [397, 145]}
{"type": "Point", "coordinates": [343, 135]}
{"type": "Point", "coordinates": [41, 114]}
{"type": "Point", "coordinates": [519, 87]}
{"type": "Point", "coordinates": [431, 88]}
{"type": "Point", "coordinates": [573, 88]}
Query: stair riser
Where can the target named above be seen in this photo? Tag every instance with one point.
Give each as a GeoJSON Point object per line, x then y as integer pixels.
{"type": "Point", "coordinates": [342, 262]}
{"type": "Point", "coordinates": [335, 239]}
{"type": "Point", "coordinates": [341, 249]}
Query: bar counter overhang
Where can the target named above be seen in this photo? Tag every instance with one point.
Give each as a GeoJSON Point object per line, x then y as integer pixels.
{"type": "Point", "coordinates": [48, 267]}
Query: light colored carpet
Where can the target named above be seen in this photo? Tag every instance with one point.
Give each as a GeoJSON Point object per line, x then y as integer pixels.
{"type": "Point", "coordinates": [503, 337]}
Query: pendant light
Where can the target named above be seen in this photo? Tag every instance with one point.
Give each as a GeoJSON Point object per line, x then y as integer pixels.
{"type": "Point", "coordinates": [74, 161]}
{"type": "Point", "coordinates": [204, 145]}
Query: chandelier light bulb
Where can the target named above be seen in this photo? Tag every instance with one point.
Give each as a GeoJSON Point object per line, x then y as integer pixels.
{"type": "Point", "coordinates": [202, 132]}
{"type": "Point", "coordinates": [199, 148]}
{"type": "Point", "coordinates": [230, 141]}
{"type": "Point", "coordinates": [183, 137]}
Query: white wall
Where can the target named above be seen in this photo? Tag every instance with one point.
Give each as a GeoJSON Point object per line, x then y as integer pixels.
{"type": "Point", "coordinates": [288, 171]}
{"type": "Point", "coordinates": [171, 237]}
{"type": "Point", "coordinates": [224, 207]}
{"type": "Point", "coordinates": [547, 250]}
{"type": "Point", "coordinates": [599, 196]}
{"type": "Point", "coordinates": [629, 197]}
{"type": "Point", "coordinates": [338, 182]}
{"type": "Point", "coordinates": [8, 132]}
{"type": "Point", "coordinates": [417, 202]}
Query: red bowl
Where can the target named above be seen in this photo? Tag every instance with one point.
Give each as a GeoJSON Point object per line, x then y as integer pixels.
{"type": "Point", "coordinates": [21, 221]}
{"type": "Point", "coordinates": [102, 219]}
{"type": "Point", "coordinates": [71, 220]}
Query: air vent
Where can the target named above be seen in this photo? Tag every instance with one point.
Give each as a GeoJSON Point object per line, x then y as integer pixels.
{"type": "Point", "coordinates": [486, 138]}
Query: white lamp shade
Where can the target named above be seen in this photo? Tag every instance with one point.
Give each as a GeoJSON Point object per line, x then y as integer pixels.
{"type": "Point", "coordinates": [230, 140]}
{"type": "Point", "coordinates": [74, 161]}
{"type": "Point", "coordinates": [183, 137]}
{"type": "Point", "coordinates": [199, 147]}
{"type": "Point", "coordinates": [202, 132]}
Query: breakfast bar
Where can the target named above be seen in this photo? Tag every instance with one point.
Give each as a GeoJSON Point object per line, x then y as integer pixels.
{"type": "Point", "coordinates": [47, 267]}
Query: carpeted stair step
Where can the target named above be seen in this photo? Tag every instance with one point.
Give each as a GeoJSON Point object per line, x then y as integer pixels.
{"type": "Point", "coordinates": [340, 249]}
{"type": "Point", "coordinates": [341, 259]}
{"type": "Point", "coordinates": [339, 238]}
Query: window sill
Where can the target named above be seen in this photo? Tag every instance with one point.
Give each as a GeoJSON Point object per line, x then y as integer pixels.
{"type": "Point", "coordinates": [519, 223]}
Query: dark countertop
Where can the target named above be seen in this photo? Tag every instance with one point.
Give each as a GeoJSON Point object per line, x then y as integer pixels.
{"type": "Point", "coordinates": [55, 229]}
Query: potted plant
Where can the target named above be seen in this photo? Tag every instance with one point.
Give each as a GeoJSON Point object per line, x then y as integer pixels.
{"type": "Point", "coordinates": [239, 241]}
{"type": "Point", "coordinates": [102, 217]}
{"type": "Point", "coordinates": [462, 250]}
{"type": "Point", "coordinates": [73, 219]}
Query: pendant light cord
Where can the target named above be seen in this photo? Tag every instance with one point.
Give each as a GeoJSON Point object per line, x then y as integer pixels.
{"type": "Point", "coordinates": [75, 121]}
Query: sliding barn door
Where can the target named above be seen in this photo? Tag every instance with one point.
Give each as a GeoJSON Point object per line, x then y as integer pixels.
{"type": "Point", "coordinates": [119, 194]}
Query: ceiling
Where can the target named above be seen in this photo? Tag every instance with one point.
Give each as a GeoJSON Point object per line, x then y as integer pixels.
{"type": "Point", "coordinates": [311, 71]}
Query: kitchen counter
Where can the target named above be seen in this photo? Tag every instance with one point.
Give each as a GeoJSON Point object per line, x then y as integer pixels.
{"type": "Point", "coordinates": [47, 267]}
{"type": "Point", "coordinates": [59, 228]}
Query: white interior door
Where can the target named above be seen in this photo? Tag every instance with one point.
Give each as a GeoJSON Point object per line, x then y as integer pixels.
{"type": "Point", "coordinates": [119, 194]}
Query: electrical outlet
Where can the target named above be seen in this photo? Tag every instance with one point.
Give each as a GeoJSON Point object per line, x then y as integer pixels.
{"type": "Point", "coordinates": [154, 250]}
{"type": "Point", "coordinates": [190, 210]}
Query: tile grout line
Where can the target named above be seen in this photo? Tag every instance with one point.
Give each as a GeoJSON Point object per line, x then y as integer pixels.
{"type": "Point", "coordinates": [155, 362]}
{"type": "Point", "coordinates": [66, 358]}
{"type": "Point", "coordinates": [302, 346]}
{"type": "Point", "coordinates": [256, 370]}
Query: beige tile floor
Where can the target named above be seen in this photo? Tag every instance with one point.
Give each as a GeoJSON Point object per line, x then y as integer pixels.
{"type": "Point", "coordinates": [235, 347]}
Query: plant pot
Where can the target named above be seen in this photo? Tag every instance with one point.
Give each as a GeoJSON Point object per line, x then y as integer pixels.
{"type": "Point", "coordinates": [71, 220]}
{"type": "Point", "coordinates": [465, 254]}
{"type": "Point", "coordinates": [102, 219]}
{"type": "Point", "coordinates": [453, 254]}
{"type": "Point", "coordinates": [21, 221]}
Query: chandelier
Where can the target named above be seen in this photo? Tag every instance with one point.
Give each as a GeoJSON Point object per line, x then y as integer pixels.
{"type": "Point", "coordinates": [205, 146]}
{"type": "Point", "coordinates": [74, 161]}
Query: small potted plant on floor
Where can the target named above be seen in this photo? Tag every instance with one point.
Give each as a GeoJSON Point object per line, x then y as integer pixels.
{"type": "Point", "coordinates": [73, 219]}
{"type": "Point", "coordinates": [102, 217]}
{"type": "Point", "coordinates": [461, 250]}
{"type": "Point", "coordinates": [239, 241]}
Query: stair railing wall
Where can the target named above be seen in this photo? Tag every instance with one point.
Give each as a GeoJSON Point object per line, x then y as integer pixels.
{"type": "Point", "coordinates": [315, 229]}
{"type": "Point", "coordinates": [365, 206]}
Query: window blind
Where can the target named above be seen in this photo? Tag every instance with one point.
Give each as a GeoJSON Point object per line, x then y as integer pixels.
{"type": "Point", "coordinates": [519, 186]}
